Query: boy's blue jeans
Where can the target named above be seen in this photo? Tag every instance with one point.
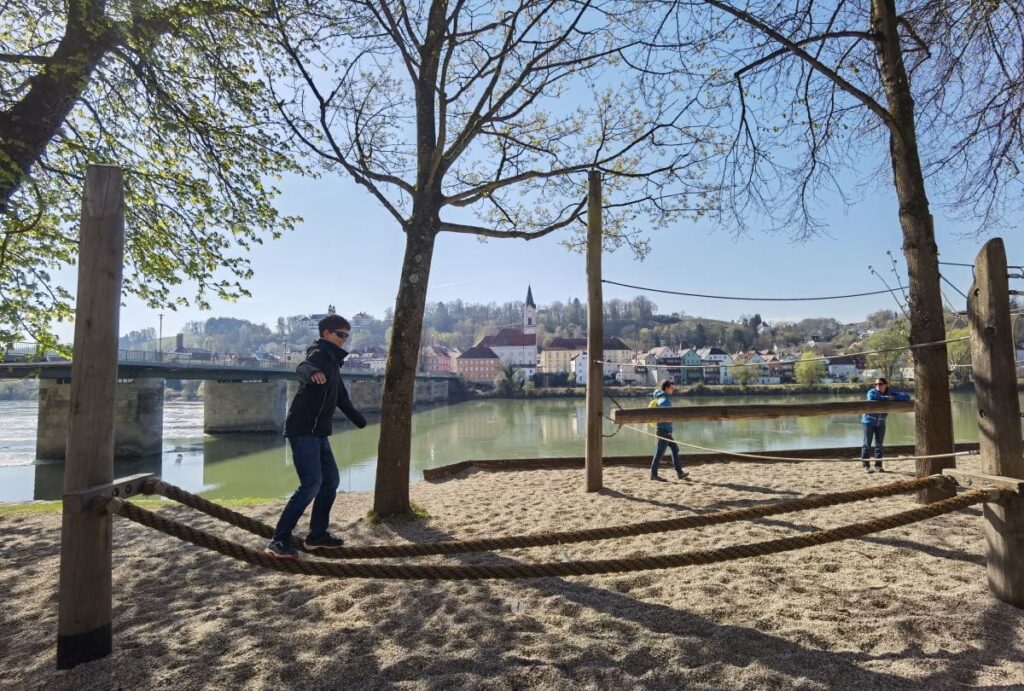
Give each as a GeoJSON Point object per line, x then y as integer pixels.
{"type": "Point", "coordinates": [874, 430]}
{"type": "Point", "coordinates": [663, 444]}
{"type": "Point", "coordinates": [318, 483]}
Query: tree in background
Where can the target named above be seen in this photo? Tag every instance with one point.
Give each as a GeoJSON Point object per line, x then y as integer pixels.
{"type": "Point", "coordinates": [959, 355]}
{"type": "Point", "coordinates": [809, 370]}
{"type": "Point", "coordinates": [891, 339]}
{"type": "Point", "coordinates": [455, 117]}
{"type": "Point", "coordinates": [744, 375]}
{"type": "Point", "coordinates": [933, 86]}
{"type": "Point", "coordinates": [170, 92]}
{"type": "Point", "coordinates": [508, 381]}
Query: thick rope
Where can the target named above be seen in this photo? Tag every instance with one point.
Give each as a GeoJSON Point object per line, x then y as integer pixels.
{"type": "Point", "coordinates": [222, 513]}
{"type": "Point", "coordinates": [740, 454]}
{"type": "Point", "coordinates": [312, 567]}
{"type": "Point", "coordinates": [490, 544]}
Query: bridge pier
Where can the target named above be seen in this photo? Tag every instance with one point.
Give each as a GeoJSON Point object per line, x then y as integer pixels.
{"type": "Point", "coordinates": [232, 407]}
{"type": "Point", "coordinates": [138, 418]}
{"type": "Point", "coordinates": [366, 394]}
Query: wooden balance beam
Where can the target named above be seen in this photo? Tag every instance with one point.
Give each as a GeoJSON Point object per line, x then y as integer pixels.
{"type": "Point", "coordinates": [625, 416]}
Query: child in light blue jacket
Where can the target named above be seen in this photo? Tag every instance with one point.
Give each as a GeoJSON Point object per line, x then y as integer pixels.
{"type": "Point", "coordinates": [874, 423]}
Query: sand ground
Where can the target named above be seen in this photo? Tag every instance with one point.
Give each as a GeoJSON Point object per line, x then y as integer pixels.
{"type": "Point", "coordinates": [907, 608]}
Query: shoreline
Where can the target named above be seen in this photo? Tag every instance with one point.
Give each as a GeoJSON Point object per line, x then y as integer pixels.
{"type": "Point", "coordinates": [701, 390]}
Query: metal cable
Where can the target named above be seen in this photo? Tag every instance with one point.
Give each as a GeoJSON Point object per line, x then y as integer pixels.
{"type": "Point", "coordinates": [753, 299]}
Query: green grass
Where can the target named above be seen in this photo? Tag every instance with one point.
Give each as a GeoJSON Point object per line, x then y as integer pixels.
{"type": "Point", "coordinates": [415, 513]}
{"type": "Point", "coordinates": [40, 508]}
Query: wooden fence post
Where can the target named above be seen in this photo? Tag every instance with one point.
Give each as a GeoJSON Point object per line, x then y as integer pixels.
{"type": "Point", "coordinates": [998, 405]}
{"type": "Point", "coordinates": [595, 335]}
{"type": "Point", "coordinates": [83, 626]}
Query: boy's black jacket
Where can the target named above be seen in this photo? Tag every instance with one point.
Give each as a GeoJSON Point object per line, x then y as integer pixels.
{"type": "Point", "coordinates": [313, 406]}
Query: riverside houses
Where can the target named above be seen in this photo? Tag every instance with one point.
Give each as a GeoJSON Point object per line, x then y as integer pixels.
{"type": "Point", "coordinates": [716, 362]}
{"type": "Point", "coordinates": [436, 359]}
{"type": "Point", "coordinates": [691, 371]}
{"type": "Point", "coordinates": [557, 356]}
{"type": "Point", "coordinates": [479, 365]}
{"type": "Point", "coordinates": [516, 346]}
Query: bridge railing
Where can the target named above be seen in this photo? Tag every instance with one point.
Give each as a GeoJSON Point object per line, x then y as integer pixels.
{"type": "Point", "coordinates": [200, 359]}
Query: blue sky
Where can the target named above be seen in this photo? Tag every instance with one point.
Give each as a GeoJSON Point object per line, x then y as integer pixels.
{"type": "Point", "coordinates": [348, 252]}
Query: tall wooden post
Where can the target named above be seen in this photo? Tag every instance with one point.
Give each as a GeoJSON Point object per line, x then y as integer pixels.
{"type": "Point", "coordinates": [595, 335]}
{"type": "Point", "coordinates": [999, 434]}
{"type": "Point", "coordinates": [83, 623]}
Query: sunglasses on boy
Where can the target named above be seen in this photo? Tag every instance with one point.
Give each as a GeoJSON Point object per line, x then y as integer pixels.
{"type": "Point", "coordinates": [343, 335]}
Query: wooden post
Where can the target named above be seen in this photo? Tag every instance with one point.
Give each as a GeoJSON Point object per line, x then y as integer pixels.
{"type": "Point", "coordinates": [83, 622]}
{"type": "Point", "coordinates": [595, 335]}
{"type": "Point", "coordinates": [999, 434]}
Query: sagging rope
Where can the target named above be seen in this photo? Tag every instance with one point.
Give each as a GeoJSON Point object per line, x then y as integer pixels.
{"type": "Point", "coordinates": [562, 537]}
{"type": "Point", "coordinates": [755, 299]}
{"type": "Point", "coordinates": [757, 457]}
{"type": "Point", "coordinates": [341, 569]}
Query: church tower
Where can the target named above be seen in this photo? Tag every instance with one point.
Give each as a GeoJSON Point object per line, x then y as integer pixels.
{"type": "Point", "coordinates": [529, 313]}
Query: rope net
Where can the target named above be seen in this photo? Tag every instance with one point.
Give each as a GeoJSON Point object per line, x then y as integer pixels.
{"type": "Point", "coordinates": [342, 569]}
{"type": "Point", "coordinates": [560, 537]}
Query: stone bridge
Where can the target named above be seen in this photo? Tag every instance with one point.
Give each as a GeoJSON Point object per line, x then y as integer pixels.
{"type": "Point", "coordinates": [239, 397]}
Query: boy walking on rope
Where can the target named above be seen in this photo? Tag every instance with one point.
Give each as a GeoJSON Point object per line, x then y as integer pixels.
{"type": "Point", "coordinates": [664, 431]}
{"type": "Point", "coordinates": [308, 428]}
{"type": "Point", "coordinates": [874, 423]}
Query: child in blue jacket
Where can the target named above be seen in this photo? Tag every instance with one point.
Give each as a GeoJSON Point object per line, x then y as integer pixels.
{"type": "Point", "coordinates": [874, 423]}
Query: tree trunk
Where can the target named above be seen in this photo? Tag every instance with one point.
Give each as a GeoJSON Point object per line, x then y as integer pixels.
{"type": "Point", "coordinates": [391, 493]}
{"type": "Point", "coordinates": [933, 419]}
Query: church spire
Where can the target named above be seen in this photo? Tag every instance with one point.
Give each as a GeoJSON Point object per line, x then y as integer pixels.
{"type": "Point", "coordinates": [529, 313]}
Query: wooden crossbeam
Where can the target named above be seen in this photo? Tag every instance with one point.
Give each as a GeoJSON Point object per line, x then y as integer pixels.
{"type": "Point", "coordinates": [735, 412]}
{"type": "Point", "coordinates": [91, 498]}
{"type": "Point", "coordinates": [975, 480]}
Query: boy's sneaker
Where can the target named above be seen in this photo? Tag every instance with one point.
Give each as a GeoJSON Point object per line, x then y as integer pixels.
{"type": "Point", "coordinates": [658, 478]}
{"type": "Point", "coordinates": [281, 550]}
{"type": "Point", "coordinates": [325, 541]}
{"type": "Point", "coordinates": [682, 474]}
{"type": "Point", "coordinates": [879, 468]}
{"type": "Point", "coordinates": [867, 467]}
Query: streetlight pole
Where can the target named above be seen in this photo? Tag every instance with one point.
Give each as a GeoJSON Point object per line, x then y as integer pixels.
{"type": "Point", "coordinates": [160, 340]}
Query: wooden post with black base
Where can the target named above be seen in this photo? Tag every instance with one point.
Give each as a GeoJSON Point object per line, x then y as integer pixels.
{"type": "Point", "coordinates": [999, 433]}
{"type": "Point", "coordinates": [83, 623]}
{"type": "Point", "coordinates": [595, 336]}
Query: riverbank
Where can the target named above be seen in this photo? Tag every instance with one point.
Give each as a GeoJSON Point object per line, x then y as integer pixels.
{"type": "Point", "coordinates": [699, 390]}
{"type": "Point", "coordinates": [907, 608]}
{"type": "Point", "coordinates": [695, 390]}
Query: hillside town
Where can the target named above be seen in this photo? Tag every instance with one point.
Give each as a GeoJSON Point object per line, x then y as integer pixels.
{"type": "Point", "coordinates": [515, 351]}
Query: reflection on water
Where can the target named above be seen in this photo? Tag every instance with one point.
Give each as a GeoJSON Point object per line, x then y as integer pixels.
{"type": "Point", "coordinates": [234, 466]}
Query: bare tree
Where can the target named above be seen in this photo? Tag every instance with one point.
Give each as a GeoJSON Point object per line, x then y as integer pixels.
{"type": "Point", "coordinates": [482, 119]}
{"type": "Point", "coordinates": [813, 88]}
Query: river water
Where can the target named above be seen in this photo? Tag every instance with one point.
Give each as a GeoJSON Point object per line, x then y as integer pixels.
{"type": "Point", "coordinates": [234, 466]}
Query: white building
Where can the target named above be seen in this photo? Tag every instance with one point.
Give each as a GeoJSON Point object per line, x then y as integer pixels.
{"type": "Point", "coordinates": [716, 361]}
{"type": "Point", "coordinates": [580, 368]}
{"type": "Point", "coordinates": [842, 368]}
{"type": "Point", "coordinates": [517, 346]}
